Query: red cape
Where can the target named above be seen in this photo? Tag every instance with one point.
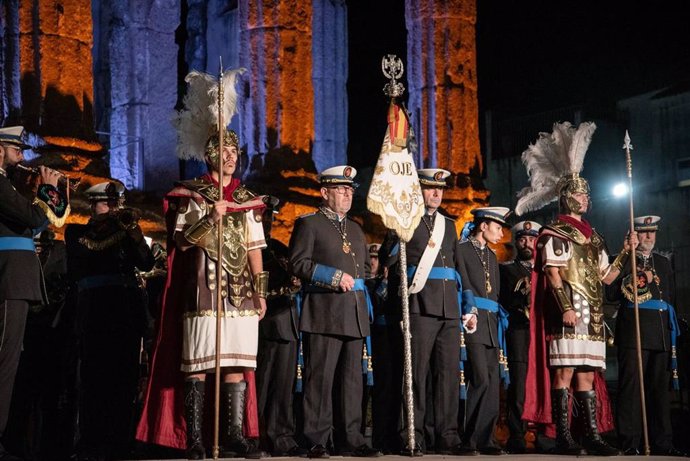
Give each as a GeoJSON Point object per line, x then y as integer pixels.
{"type": "Point", "coordinates": [537, 407]}
{"type": "Point", "coordinates": [162, 419]}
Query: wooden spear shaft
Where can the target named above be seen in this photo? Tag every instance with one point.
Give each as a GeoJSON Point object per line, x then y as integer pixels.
{"type": "Point", "coordinates": [219, 267]}
{"type": "Point", "coordinates": [633, 262]}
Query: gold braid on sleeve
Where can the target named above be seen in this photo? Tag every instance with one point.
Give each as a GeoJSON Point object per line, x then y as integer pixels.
{"type": "Point", "coordinates": [198, 230]}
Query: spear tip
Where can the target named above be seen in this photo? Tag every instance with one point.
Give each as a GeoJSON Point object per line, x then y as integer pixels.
{"type": "Point", "coordinates": [627, 145]}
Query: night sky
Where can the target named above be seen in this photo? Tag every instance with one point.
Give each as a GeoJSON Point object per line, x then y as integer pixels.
{"type": "Point", "coordinates": [533, 55]}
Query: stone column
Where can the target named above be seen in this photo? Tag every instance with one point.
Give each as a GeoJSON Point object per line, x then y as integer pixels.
{"type": "Point", "coordinates": [10, 98]}
{"type": "Point", "coordinates": [277, 114]}
{"type": "Point", "coordinates": [142, 56]}
{"type": "Point", "coordinates": [275, 47]}
{"type": "Point", "coordinates": [442, 82]}
{"type": "Point", "coordinates": [55, 40]}
{"type": "Point", "coordinates": [329, 79]}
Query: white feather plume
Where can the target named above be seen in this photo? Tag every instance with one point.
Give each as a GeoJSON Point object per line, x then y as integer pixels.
{"type": "Point", "coordinates": [199, 118]}
{"type": "Point", "coordinates": [551, 157]}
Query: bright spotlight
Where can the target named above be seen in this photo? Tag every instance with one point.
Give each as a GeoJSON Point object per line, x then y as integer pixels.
{"type": "Point", "coordinates": [620, 190]}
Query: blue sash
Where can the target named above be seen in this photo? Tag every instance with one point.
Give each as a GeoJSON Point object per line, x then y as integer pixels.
{"type": "Point", "coordinates": [17, 243]}
{"type": "Point", "coordinates": [660, 305]}
{"type": "Point", "coordinates": [502, 316]}
{"type": "Point", "coordinates": [367, 368]}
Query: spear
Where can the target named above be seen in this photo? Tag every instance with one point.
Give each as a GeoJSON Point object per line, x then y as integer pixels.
{"type": "Point", "coordinates": [633, 262]}
{"type": "Point", "coordinates": [219, 265]}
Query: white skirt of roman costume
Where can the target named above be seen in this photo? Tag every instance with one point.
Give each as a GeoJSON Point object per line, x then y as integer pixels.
{"type": "Point", "coordinates": [239, 327]}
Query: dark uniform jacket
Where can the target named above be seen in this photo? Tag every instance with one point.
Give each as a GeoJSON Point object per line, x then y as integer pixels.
{"type": "Point", "coordinates": [438, 298]}
{"type": "Point", "coordinates": [655, 333]}
{"type": "Point", "coordinates": [20, 271]}
{"type": "Point", "coordinates": [318, 259]}
{"type": "Point", "coordinates": [472, 273]}
{"type": "Point", "coordinates": [516, 302]}
{"type": "Point", "coordinates": [281, 320]}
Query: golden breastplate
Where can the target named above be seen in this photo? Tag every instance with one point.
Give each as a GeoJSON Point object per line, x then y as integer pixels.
{"type": "Point", "coordinates": [582, 273]}
{"type": "Point", "coordinates": [234, 258]}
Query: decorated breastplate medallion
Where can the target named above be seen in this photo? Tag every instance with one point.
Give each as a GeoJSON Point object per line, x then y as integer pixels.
{"type": "Point", "coordinates": [234, 258]}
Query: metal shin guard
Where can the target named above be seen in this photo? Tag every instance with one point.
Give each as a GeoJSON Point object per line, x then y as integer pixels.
{"type": "Point", "coordinates": [193, 415]}
{"type": "Point", "coordinates": [232, 440]}
{"type": "Point", "coordinates": [565, 444]}
{"type": "Point", "coordinates": [592, 441]}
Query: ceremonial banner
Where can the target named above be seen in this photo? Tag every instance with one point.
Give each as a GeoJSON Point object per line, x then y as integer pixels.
{"type": "Point", "coordinates": [394, 193]}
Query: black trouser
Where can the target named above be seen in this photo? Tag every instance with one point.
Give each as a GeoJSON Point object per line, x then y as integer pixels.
{"type": "Point", "coordinates": [482, 405]}
{"type": "Point", "coordinates": [435, 347]}
{"type": "Point", "coordinates": [332, 361]}
{"type": "Point", "coordinates": [388, 372]}
{"type": "Point", "coordinates": [657, 379]}
{"type": "Point", "coordinates": [516, 402]}
{"type": "Point", "coordinates": [13, 314]}
{"type": "Point", "coordinates": [275, 378]}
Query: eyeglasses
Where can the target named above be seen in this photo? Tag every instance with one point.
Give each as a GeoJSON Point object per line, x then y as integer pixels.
{"type": "Point", "coordinates": [343, 190]}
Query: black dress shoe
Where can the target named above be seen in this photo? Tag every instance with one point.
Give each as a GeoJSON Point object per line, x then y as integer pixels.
{"type": "Point", "coordinates": [492, 451]}
{"type": "Point", "coordinates": [670, 452]}
{"type": "Point", "coordinates": [631, 452]}
{"type": "Point", "coordinates": [516, 449]}
{"type": "Point", "coordinates": [294, 452]}
{"type": "Point", "coordinates": [462, 450]}
{"type": "Point", "coordinates": [318, 451]}
{"type": "Point", "coordinates": [365, 451]}
{"type": "Point", "coordinates": [417, 451]}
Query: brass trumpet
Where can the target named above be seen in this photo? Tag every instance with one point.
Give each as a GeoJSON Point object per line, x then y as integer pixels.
{"type": "Point", "coordinates": [62, 180]}
{"type": "Point", "coordinates": [127, 218]}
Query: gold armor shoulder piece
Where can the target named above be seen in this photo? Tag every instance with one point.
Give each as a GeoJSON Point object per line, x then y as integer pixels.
{"type": "Point", "coordinates": [568, 231]}
{"type": "Point", "coordinates": [242, 194]}
{"type": "Point", "coordinates": [597, 240]}
{"type": "Point", "coordinates": [202, 187]}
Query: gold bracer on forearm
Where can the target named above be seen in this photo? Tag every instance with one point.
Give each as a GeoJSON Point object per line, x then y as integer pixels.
{"type": "Point", "coordinates": [621, 260]}
{"type": "Point", "coordinates": [261, 284]}
{"type": "Point", "coordinates": [562, 299]}
{"type": "Point", "coordinates": [198, 230]}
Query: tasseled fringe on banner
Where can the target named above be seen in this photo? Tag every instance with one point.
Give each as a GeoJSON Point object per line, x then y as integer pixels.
{"type": "Point", "coordinates": [367, 366]}
{"type": "Point", "coordinates": [300, 366]}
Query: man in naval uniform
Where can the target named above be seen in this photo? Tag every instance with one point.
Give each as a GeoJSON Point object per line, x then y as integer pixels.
{"type": "Point", "coordinates": [658, 328]}
{"type": "Point", "coordinates": [486, 361]}
{"type": "Point", "coordinates": [328, 252]}
{"type": "Point", "coordinates": [278, 346]}
{"type": "Point", "coordinates": [514, 296]}
{"type": "Point", "coordinates": [102, 257]}
{"type": "Point", "coordinates": [21, 279]}
{"type": "Point", "coordinates": [434, 318]}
